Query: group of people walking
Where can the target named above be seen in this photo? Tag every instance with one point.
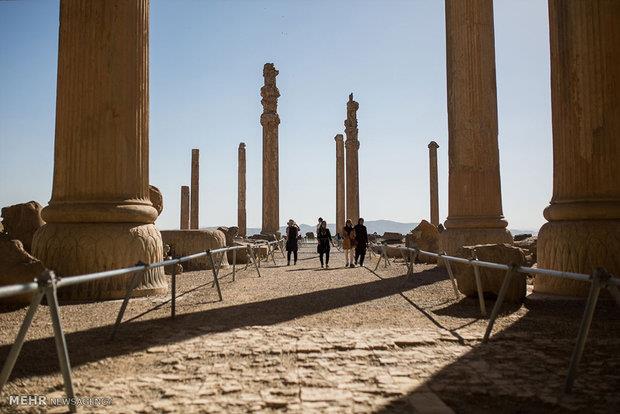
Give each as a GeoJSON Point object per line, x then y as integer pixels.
{"type": "Point", "coordinates": [354, 242]}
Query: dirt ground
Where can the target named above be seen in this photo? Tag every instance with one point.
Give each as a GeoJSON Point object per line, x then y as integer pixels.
{"type": "Point", "coordinates": [305, 339]}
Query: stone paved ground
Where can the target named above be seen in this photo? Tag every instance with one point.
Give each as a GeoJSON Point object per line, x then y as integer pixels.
{"type": "Point", "coordinates": [301, 339]}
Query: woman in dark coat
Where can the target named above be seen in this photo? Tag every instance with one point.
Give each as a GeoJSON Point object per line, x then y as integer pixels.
{"type": "Point", "coordinates": [324, 237]}
{"type": "Point", "coordinates": [292, 234]}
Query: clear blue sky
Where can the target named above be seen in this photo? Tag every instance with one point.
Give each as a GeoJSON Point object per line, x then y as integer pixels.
{"type": "Point", "coordinates": [206, 73]}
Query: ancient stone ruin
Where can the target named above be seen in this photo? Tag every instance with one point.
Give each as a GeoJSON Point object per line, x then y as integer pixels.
{"type": "Point", "coordinates": [352, 145]}
{"type": "Point", "coordinates": [270, 120]}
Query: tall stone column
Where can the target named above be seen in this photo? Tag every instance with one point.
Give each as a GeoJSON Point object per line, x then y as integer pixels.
{"type": "Point", "coordinates": [270, 120]}
{"type": "Point", "coordinates": [100, 216]}
{"type": "Point", "coordinates": [241, 214]}
{"type": "Point", "coordinates": [474, 191]}
{"type": "Point", "coordinates": [583, 229]}
{"type": "Point", "coordinates": [184, 207]}
{"type": "Point", "coordinates": [353, 145]}
{"type": "Point", "coordinates": [195, 191]}
{"type": "Point", "coordinates": [340, 186]}
{"type": "Point", "coordinates": [434, 185]}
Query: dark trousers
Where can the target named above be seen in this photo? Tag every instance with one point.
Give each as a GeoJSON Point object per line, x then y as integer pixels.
{"type": "Point", "coordinates": [360, 253]}
{"type": "Point", "coordinates": [326, 257]}
{"type": "Point", "coordinates": [288, 256]}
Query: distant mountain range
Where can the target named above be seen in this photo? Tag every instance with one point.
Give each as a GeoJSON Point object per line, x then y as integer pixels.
{"type": "Point", "coordinates": [378, 226]}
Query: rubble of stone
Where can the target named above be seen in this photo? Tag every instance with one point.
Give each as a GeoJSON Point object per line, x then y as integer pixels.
{"type": "Point", "coordinates": [424, 237]}
{"type": "Point", "coordinates": [392, 237]}
{"type": "Point", "coordinates": [187, 242]}
{"type": "Point", "coordinates": [17, 266]}
{"type": "Point", "coordinates": [491, 279]}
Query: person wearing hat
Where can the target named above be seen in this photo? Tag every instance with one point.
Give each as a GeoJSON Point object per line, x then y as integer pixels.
{"type": "Point", "coordinates": [292, 234]}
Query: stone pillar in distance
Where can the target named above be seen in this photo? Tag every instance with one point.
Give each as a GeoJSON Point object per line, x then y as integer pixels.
{"type": "Point", "coordinates": [195, 192]}
{"type": "Point", "coordinates": [340, 185]}
{"type": "Point", "coordinates": [100, 216]}
{"type": "Point", "coordinates": [184, 208]}
{"type": "Point", "coordinates": [583, 229]}
{"type": "Point", "coordinates": [474, 192]}
{"type": "Point", "coordinates": [434, 185]}
{"type": "Point", "coordinates": [352, 145]}
{"type": "Point", "coordinates": [241, 191]}
{"type": "Point", "coordinates": [270, 120]}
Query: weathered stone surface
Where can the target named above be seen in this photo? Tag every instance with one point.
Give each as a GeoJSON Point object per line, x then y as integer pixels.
{"type": "Point", "coordinates": [99, 216]}
{"type": "Point", "coordinates": [520, 237]}
{"type": "Point", "coordinates": [340, 184]}
{"type": "Point", "coordinates": [194, 215]}
{"type": "Point", "coordinates": [241, 190]}
{"type": "Point", "coordinates": [21, 221]}
{"type": "Point", "coordinates": [270, 120]}
{"type": "Point", "coordinates": [491, 279]}
{"type": "Point", "coordinates": [80, 248]}
{"type": "Point", "coordinates": [310, 235]}
{"type": "Point", "coordinates": [583, 229]}
{"type": "Point", "coordinates": [17, 266]}
{"type": "Point", "coordinates": [230, 233]}
{"type": "Point", "coordinates": [424, 237]}
{"type": "Point", "coordinates": [157, 199]}
{"type": "Point", "coordinates": [184, 224]}
{"type": "Point", "coordinates": [186, 242]}
{"type": "Point", "coordinates": [434, 184]}
{"type": "Point", "coordinates": [392, 237]}
{"type": "Point", "coordinates": [352, 146]}
{"type": "Point", "coordinates": [475, 213]}
{"type": "Point", "coordinates": [529, 247]}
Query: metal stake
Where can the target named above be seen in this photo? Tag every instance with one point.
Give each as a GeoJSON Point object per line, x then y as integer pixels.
{"type": "Point", "coordinates": [174, 291]}
{"type": "Point", "coordinates": [498, 303]}
{"type": "Point", "coordinates": [215, 272]}
{"type": "Point", "coordinates": [61, 343]}
{"type": "Point", "coordinates": [452, 279]}
{"type": "Point", "coordinates": [599, 279]}
{"type": "Point", "coordinates": [483, 309]}
{"type": "Point", "coordinates": [234, 262]}
{"type": "Point", "coordinates": [19, 340]}
{"type": "Point", "coordinates": [131, 285]}
{"type": "Point", "coordinates": [252, 258]}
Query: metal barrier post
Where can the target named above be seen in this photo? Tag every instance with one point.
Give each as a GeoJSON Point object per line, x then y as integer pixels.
{"type": "Point", "coordinates": [384, 254]}
{"type": "Point", "coordinates": [131, 285]}
{"type": "Point", "coordinates": [234, 263]}
{"type": "Point", "coordinates": [215, 272]}
{"type": "Point", "coordinates": [174, 291]}
{"type": "Point", "coordinates": [273, 254]}
{"type": "Point", "coordinates": [599, 280]}
{"type": "Point", "coordinates": [498, 303]}
{"type": "Point", "coordinates": [483, 309]}
{"type": "Point", "coordinates": [378, 262]}
{"type": "Point", "coordinates": [19, 340]}
{"type": "Point", "coordinates": [59, 338]}
{"type": "Point", "coordinates": [252, 258]}
{"type": "Point", "coordinates": [219, 264]}
{"type": "Point", "coordinates": [452, 279]}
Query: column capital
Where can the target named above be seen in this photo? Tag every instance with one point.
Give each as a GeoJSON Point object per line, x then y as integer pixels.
{"type": "Point", "coordinates": [339, 138]}
{"type": "Point", "coordinates": [433, 145]}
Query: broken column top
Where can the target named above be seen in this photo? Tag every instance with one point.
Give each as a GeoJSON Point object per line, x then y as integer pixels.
{"type": "Point", "coordinates": [270, 72]}
{"type": "Point", "coordinates": [242, 145]}
{"type": "Point", "coordinates": [195, 151]}
{"type": "Point", "coordinates": [338, 137]}
{"type": "Point", "coordinates": [433, 144]}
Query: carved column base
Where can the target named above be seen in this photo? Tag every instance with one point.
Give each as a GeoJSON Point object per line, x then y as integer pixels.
{"type": "Point", "coordinates": [453, 239]}
{"type": "Point", "coordinates": [576, 246]}
{"type": "Point", "coordinates": [71, 249]}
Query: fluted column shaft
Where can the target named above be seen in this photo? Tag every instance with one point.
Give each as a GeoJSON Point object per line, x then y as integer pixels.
{"type": "Point", "coordinates": [340, 183]}
{"type": "Point", "coordinates": [352, 145]}
{"type": "Point", "coordinates": [184, 208]}
{"type": "Point", "coordinates": [195, 190]}
{"type": "Point", "coordinates": [100, 216]}
{"type": "Point", "coordinates": [583, 231]}
{"type": "Point", "coordinates": [241, 191]}
{"type": "Point", "coordinates": [434, 185]}
{"type": "Point", "coordinates": [474, 200]}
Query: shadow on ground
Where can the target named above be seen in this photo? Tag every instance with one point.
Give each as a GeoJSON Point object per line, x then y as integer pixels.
{"type": "Point", "coordinates": [522, 369]}
{"type": "Point", "coordinates": [93, 345]}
